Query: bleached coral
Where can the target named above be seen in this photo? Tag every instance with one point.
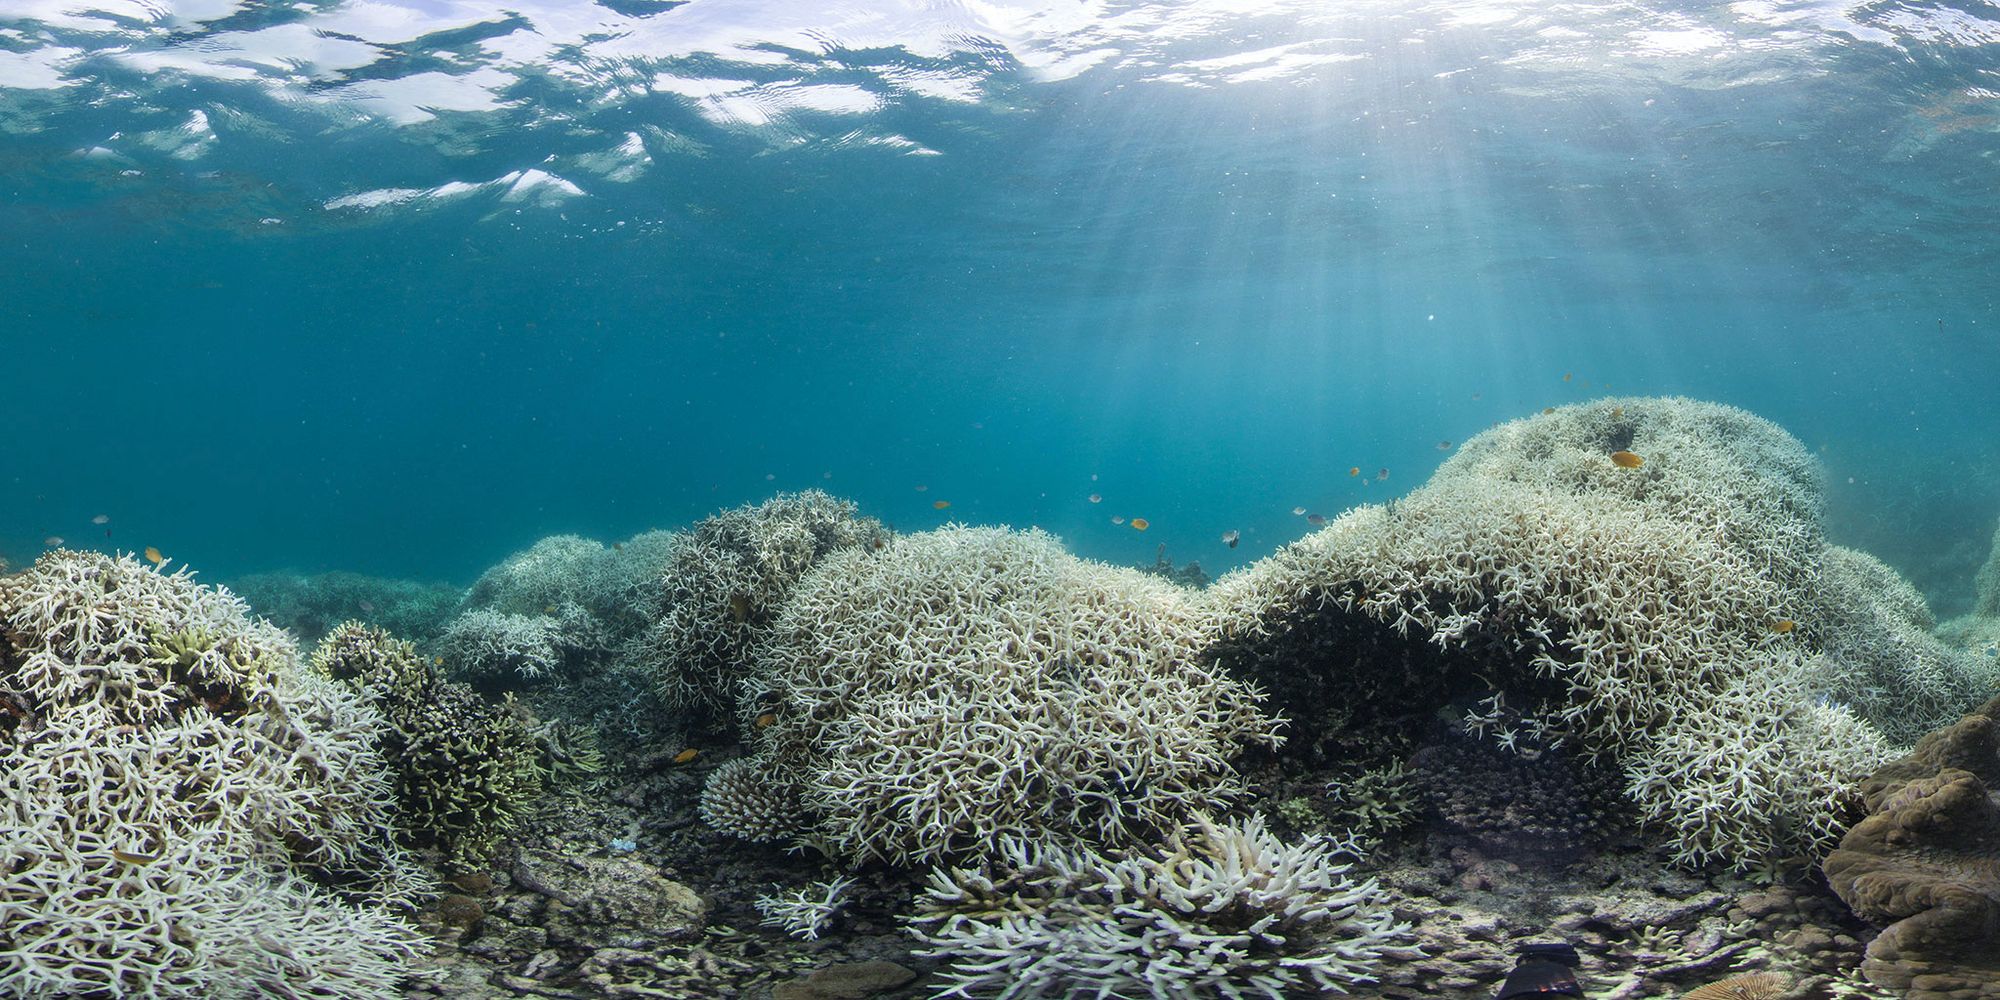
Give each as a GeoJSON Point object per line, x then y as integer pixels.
{"type": "Point", "coordinates": [1220, 910]}
{"type": "Point", "coordinates": [804, 913]}
{"type": "Point", "coordinates": [754, 800]}
{"type": "Point", "coordinates": [725, 578]}
{"type": "Point", "coordinates": [1649, 611]}
{"type": "Point", "coordinates": [547, 574]}
{"type": "Point", "coordinates": [1878, 653]}
{"type": "Point", "coordinates": [177, 797]}
{"type": "Point", "coordinates": [968, 685]}
{"type": "Point", "coordinates": [498, 647]}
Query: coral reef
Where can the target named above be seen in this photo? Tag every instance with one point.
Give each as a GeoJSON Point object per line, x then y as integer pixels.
{"type": "Point", "coordinates": [1648, 615]}
{"type": "Point", "coordinates": [755, 800]}
{"type": "Point", "coordinates": [465, 768]}
{"type": "Point", "coordinates": [310, 605]}
{"type": "Point", "coordinates": [1877, 652]}
{"type": "Point", "coordinates": [184, 812]}
{"type": "Point", "coordinates": [1219, 910]}
{"type": "Point", "coordinates": [1525, 805]}
{"type": "Point", "coordinates": [726, 577]}
{"type": "Point", "coordinates": [499, 649]}
{"type": "Point", "coordinates": [1926, 863]}
{"type": "Point", "coordinates": [1978, 631]}
{"type": "Point", "coordinates": [965, 686]}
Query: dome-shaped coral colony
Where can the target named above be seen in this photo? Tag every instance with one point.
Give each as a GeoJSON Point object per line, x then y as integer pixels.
{"type": "Point", "coordinates": [188, 810]}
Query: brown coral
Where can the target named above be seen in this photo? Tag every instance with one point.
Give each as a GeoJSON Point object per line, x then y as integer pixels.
{"type": "Point", "coordinates": [1926, 863]}
{"type": "Point", "coordinates": [1749, 986]}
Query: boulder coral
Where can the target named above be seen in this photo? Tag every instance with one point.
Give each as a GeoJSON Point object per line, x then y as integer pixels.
{"type": "Point", "coordinates": [964, 686]}
{"type": "Point", "coordinates": [1667, 617]}
{"type": "Point", "coordinates": [184, 812]}
{"type": "Point", "coordinates": [1926, 863]}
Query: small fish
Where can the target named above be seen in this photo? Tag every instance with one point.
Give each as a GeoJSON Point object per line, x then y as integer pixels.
{"type": "Point", "coordinates": [1617, 411]}
{"type": "Point", "coordinates": [1096, 498]}
{"type": "Point", "coordinates": [437, 661]}
{"type": "Point", "coordinates": [1566, 376]}
{"type": "Point", "coordinates": [52, 541]}
{"type": "Point", "coordinates": [686, 755]}
{"type": "Point", "coordinates": [153, 556]}
{"type": "Point", "coordinates": [922, 488]}
{"type": "Point", "coordinates": [940, 504]}
{"type": "Point", "coordinates": [367, 607]}
{"type": "Point", "coordinates": [739, 608]}
{"type": "Point", "coordinates": [1444, 445]}
{"type": "Point", "coordinates": [1140, 524]}
{"type": "Point", "coordinates": [1117, 519]}
{"type": "Point", "coordinates": [101, 519]}
{"type": "Point", "coordinates": [1626, 460]}
{"type": "Point", "coordinates": [1230, 538]}
{"type": "Point", "coordinates": [767, 720]}
{"type": "Point", "coordinates": [1381, 473]}
{"type": "Point", "coordinates": [1352, 471]}
{"type": "Point", "coordinates": [134, 858]}
{"type": "Point", "coordinates": [1546, 410]}
{"type": "Point", "coordinates": [1783, 625]}
{"type": "Point", "coordinates": [1298, 512]}
{"type": "Point", "coordinates": [1478, 395]}
{"type": "Point", "coordinates": [1315, 519]}
{"type": "Point", "coordinates": [548, 609]}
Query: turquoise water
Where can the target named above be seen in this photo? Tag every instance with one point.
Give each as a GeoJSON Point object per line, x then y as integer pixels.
{"type": "Point", "coordinates": [399, 287]}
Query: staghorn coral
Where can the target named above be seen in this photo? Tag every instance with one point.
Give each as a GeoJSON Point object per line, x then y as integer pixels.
{"type": "Point", "coordinates": [1926, 863]}
{"type": "Point", "coordinates": [1641, 611]}
{"type": "Point", "coordinates": [726, 577]}
{"type": "Point", "coordinates": [1218, 910]}
{"type": "Point", "coordinates": [497, 648]}
{"type": "Point", "coordinates": [466, 769]}
{"type": "Point", "coordinates": [968, 685]}
{"type": "Point", "coordinates": [1978, 631]}
{"type": "Point", "coordinates": [803, 913]}
{"type": "Point", "coordinates": [1877, 652]}
{"type": "Point", "coordinates": [183, 811]}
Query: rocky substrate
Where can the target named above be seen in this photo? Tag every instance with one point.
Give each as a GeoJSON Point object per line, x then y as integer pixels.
{"type": "Point", "coordinates": [569, 912]}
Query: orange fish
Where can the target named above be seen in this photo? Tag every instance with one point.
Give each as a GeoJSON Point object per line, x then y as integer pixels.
{"type": "Point", "coordinates": [1140, 524]}
{"type": "Point", "coordinates": [1626, 460]}
{"type": "Point", "coordinates": [1354, 470]}
{"type": "Point", "coordinates": [940, 504]}
{"type": "Point", "coordinates": [766, 720]}
{"type": "Point", "coordinates": [153, 556]}
{"type": "Point", "coordinates": [686, 755]}
{"type": "Point", "coordinates": [1783, 625]}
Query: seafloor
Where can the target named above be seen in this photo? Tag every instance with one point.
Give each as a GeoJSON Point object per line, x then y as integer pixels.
{"type": "Point", "coordinates": [1602, 681]}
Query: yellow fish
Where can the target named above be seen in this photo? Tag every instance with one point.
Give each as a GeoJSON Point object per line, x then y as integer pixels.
{"type": "Point", "coordinates": [1783, 625]}
{"type": "Point", "coordinates": [1626, 460]}
{"type": "Point", "coordinates": [739, 608]}
{"type": "Point", "coordinates": [940, 504]}
{"type": "Point", "coordinates": [153, 556]}
{"type": "Point", "coordinates": [767, 720]}
{"type": "Point", "coordinates": [1140, 524]}
{"type": "Point", "coordinates": [686, 755]}
{"type": "Point", "coordinates": [131, 858]}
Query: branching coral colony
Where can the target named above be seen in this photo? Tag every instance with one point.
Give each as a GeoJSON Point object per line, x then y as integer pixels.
{"type": "Point", "coordinates": [1681, 619]}
{"type": "Point", "coordinates": [163, 751]}
{"type": "Point", "coordinates": [961, 687]}
{"type": "Point", "coordinates": [1220, 910]}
